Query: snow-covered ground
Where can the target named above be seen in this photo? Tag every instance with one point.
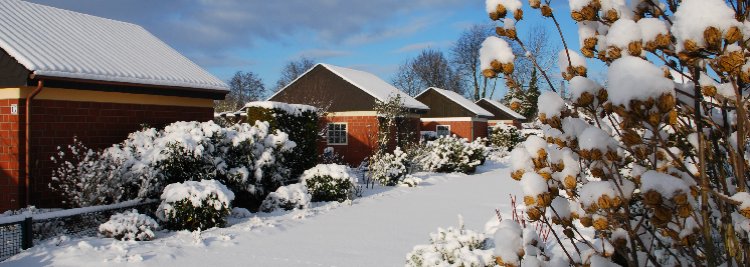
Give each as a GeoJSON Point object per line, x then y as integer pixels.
{"type": "Point", "coordinates": [378, 229]}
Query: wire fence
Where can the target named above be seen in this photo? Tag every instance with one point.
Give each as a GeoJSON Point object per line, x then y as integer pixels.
{"type": "Point", "coordinates": [21, 232]}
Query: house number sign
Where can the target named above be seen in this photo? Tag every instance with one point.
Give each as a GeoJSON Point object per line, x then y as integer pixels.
{"type": "Point", "coordinates": [14, 109]}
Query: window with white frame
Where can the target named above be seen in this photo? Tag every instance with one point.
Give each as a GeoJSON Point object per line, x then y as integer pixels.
{"type": "Point", "coordinates": [443, 130]}
{"type": "Point", "coordinates": [337, 134]}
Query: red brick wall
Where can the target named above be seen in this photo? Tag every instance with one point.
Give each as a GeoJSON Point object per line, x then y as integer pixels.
{"type": "Point", "coordinates": [10, 153]}
{"type": "Point", "coordinates": [98, 125]}
{"type": "Point", "coordinates": [362, 137]}
{"type": "Point", "coordinates": [461, 129]}
{"type": "Point", "coordinates": [480, 129]}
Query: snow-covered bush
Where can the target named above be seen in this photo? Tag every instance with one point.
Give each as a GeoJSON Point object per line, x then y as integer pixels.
{"type": "Point", "coordinates": [410, 181]}
{"type": "Point", "coordinates": [86, 178]}
{"type": "Point", "coordinates": [250, 159]}
{"type": "Point", "coordinates": [328, 182]}
{"type": "Point", "coordinates": [452, 154]}
{"type": "Point", "coordinates": [389, 168]}
{"type": "Point", "coordinates": [194, 205]}
{"type": "Point", "coordinates": [453, 247]}
{"type": "Point", "coordinates": [654, 158]}
{"type": "Point", "coordinates": [505, 136]}
{"type": "Point", "coordinates": [300, 122]}
{"type": "Point", "coordinates": [294, 196]}
{"type": "Point", "coordinates": [129, 225]}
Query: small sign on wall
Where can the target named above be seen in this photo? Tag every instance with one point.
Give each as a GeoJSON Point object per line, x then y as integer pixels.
{"type": "Point", "coordinates": [14, 109]}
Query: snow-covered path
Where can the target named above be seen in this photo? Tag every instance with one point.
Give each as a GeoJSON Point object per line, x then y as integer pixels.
{"type": "Point", "coordinates": [376, 230]}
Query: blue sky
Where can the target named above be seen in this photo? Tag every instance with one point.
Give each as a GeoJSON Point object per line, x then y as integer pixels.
{"type": "Point", "coordinates": [225, 36]}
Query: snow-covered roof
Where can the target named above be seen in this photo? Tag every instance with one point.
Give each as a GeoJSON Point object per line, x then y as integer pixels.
{"type": "Point", "coordinates": [504, 108]}
{"type": "Point", "coordinates": [458, 99]}
{"type": "Point", "coordinates": [368, 83]}
{"type": "Point", "coordinates": [58, 43]}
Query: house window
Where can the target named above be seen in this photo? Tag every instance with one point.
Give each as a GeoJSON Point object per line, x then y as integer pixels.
{"type": "Point", "coordinates": [443, 130]}
{"type": "Point", "coordinates": [337, 134]}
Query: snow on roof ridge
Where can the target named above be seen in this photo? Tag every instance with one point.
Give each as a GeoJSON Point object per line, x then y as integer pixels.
{"type": "Point", "coordinates": [67, 44]}
{"type": "Point", "coordinates": [458, 99]}
{"type": "Point", "coordinates": [504, 108]}
{"type": "Point", "coordinates": [409, 101]}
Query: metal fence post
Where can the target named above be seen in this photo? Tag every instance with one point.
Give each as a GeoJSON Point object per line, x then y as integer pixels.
{"type": "Point", "coordinates": [27, 233]}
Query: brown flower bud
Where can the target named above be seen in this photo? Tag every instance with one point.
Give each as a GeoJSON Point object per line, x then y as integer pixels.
{"type": "Point", "coordinates": [709, 91]}
{"type": "Point", "coordinates": [500, 31]}
{"type": "Point", "coordinates": [631, 138]}
{"type": "Point", "coordinates": [494, 16]}
{"type": "Point", "coordinates": [588, 52]}
{"type": "Point", "coordinates": [585, 99]}
{"type": "Point", "coordinates": [511, 33]}
{"type": "Point", "coordinates": [496, 66]}
{"type": "Point", "coordinates": [666, 102]}
{"type": "Point", "coordinates": [604, 202]}
{"type": "Point", "coordinates": [517, 175]}
{"type": "Point", "coordinates": [586, 221]}
{"type": "Point", "coordinates": [518, 14]}
{"type": "Point", "coordinates": [681, 199]}
{"type": "Point", "coordinates": [501, 11]}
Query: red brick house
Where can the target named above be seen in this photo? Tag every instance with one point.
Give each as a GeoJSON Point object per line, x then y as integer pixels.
{"type": "Point", "coordinates": [451, 113]}
{"type": "Point", "coordinates": [500, 113]}
{"type": "Point", "coordinates": [351, 124]}
{"type": "Point", "coordinates": [66, 74]}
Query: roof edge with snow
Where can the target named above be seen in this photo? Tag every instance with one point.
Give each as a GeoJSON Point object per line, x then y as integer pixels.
{"type": "Point", "coordinates": [460, 100]}
{"type": "Point", "coordinates": [504, 108]}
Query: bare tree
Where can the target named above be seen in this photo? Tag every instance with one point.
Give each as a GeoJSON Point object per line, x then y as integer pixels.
{"type": "Point", "coordinates": [292, 70]}
{"type": "Point", "coordinates": [465, 58]}
{"type": "Point", "coordinates": [429, 69]}
{"type": "Point", "coordinates": [244, 87]}
{"type": "Point", "coordinates": [538, 44]}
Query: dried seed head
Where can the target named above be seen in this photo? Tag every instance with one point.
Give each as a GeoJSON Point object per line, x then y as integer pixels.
{"type": "Point", "coordinates": [712, 36]}
{"type": "Point", "coordinates": [684, 211]}
{"type": "Point", "coordinates": [508, 68]}
{"type": "Point", "coordinates": [691, 46]}
{"type": "Point", "coordinates": [601, 224]}
{"type": "Point", "coordinates": [590, 42]}
{"type": "Point", "coordinates": [496, 66]}
{"type": "Point", "coordinates": [529, 200]}
{"type": "Point", "coordinates": [733, 35]}
{"type": "Point", "coordinates": [666, 102]}
{"type": "Point", "coordinates": [652, 198]}
{"type": "Point", "coordinates": [585, 99]}
{"type": "Point", "coordinates": [517, 175]}
{"type": "Point", "coordinates": [489, 74]}
{"type": "Point", "coordinates": [570, 182]}
{"type": "Point", "coordinates": [534, 214]}
{"type": "Point", "coordinates": [546, 11]}
{"type": "Point", "coordinates": [611, 15]}
{"type": "Point", "coordinates": [614, 52]}
{"type": "Point", "coordinates": [587, 52]}
{"type": "Point", "coordinates": [709, 91]}
{"type": "Point", "coordinates": [518, 14]}
{"type": "Point", "coordinates": [635, 48]}
{"type": "Point", "coordinates": [535, 3]}
{"type": "Point", "coordinates": [586, 221]}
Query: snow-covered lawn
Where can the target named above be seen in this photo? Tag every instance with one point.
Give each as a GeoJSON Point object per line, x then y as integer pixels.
{"type": "Point", "coordinates": [378, 229]}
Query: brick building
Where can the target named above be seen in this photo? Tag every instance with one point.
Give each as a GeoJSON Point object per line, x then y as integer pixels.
{"type": "Point", "coordinates": [84, 76]}
{"type": "Point", "coordinates": [349, 97]}
{"type": "Point", "coordinates": [500, 113]}
{"type": "Point", "coordinates": [452, 114]}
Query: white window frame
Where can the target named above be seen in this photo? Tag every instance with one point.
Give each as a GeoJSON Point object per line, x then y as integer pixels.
{"type": "Point", "coordinates": [346, 133]}
{"type": "Point", "coordinates": [437, 131]}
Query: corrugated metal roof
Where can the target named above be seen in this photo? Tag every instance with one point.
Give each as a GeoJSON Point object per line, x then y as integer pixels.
{"type": "Point", "coordinates": [458, 99]}
{"type": "Point", "coordinates": [59, 43]}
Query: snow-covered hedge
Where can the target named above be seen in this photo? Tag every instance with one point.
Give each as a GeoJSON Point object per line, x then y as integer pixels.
{"type": "Point", "coordinates": [129, 225]}
{"type": "Point", "coordinates": [328, 182]}
{"type": "Point", "coordinates": [194, 205]}
{"type": "Point", "coordinates": [452, 154]}
{"type": "Point", "coordinates": [294, 196]}
{"type": "Point", "coordinates": [505, 136]}
{"type": "Point", "coordinates": [250, 159]}
{"type": "Point", "coordinates": [299, 121]}
{"type": "Point", "coordinates": [453, 247]}
{"type": "Point", "coordinates": [390, 168]}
